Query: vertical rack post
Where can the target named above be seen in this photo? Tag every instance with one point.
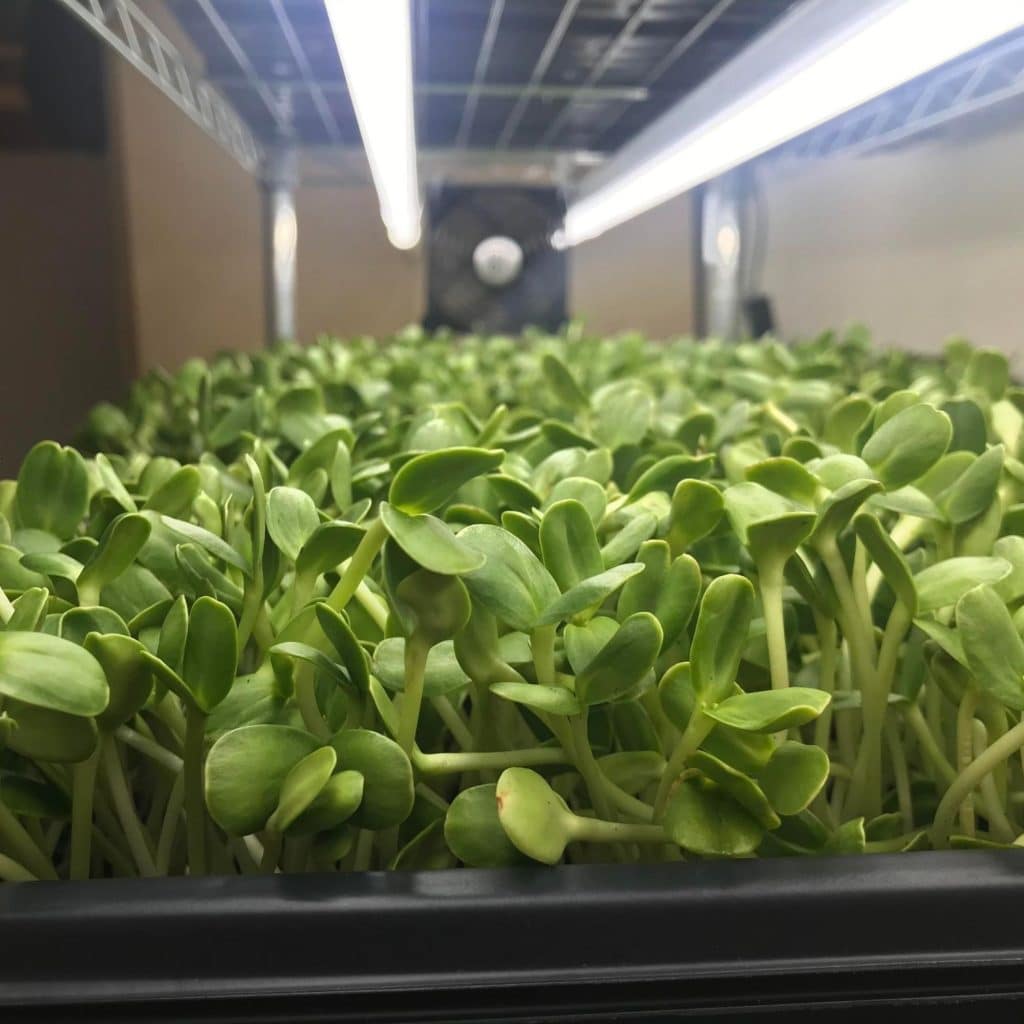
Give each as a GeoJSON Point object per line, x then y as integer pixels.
{"type": "Point", "coordinates": [720, 262]}
{"type": "Point", "coordinates": [280, 239]}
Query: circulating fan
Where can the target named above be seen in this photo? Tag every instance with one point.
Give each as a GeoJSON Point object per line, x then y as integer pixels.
{"type": "Point", "coordinates": [490, 263]}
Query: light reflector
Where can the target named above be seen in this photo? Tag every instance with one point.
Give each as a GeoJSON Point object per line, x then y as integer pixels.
{"type": "Point", "coordinates": [893, 42]}
{"type": "Point", "coordinates": [374, 40]}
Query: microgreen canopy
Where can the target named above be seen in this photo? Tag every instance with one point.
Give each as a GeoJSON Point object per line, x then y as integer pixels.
{"type": "Point", "coordinates": [412, 605]}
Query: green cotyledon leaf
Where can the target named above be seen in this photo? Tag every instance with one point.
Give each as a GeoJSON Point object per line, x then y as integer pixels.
{"type": "Point", "coordinates": [430, 542]}
{"type": "Point", "coordinates": [569, 543]}
{"type": "Point", "coordinates": [668, 588]}
{"type": "Point", "coordinates": [720, 636]}
{"type": "Point", "coordinates": [53, 489]}
{"type": "Point", "coordinates": [211, 652]}
{"type": "Point", "coordinates": [245, 770]}
{"type": "Point", "coordinates": [770, 710]}
{"type": "Point", "coordinates": [427, 481]}
{"type": "Point", "coordinates": [623, 661]}
{"type": "Point", "coordinates": [292, 519]}
{"type": "Point", "coordinates": [706, 820]}
{"type": "Point", "coordinates": [992, 645]}
{"type": "Point", "coordinates": [49, 672]}
{"type": "Point", "coordinates": [512, 584]}
{"type": "Point", "coordinates": [906, 446]}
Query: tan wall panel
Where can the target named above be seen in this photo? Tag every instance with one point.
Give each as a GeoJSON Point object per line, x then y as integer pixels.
{"type": "Point", "coordinates": [919, 244]}
{"type": "Point", "coordinates": [191, 225]}
{"type": "Point", "coordinates": [351, 280]}
{"type": "Point", "coordinates": [58, 341]}
{"type": "Point", "coordinates": [639, 275]}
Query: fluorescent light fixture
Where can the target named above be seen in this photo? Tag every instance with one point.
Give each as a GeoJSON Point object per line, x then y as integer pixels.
{"type": "Point", "coordinates": [374, 40]}
{"type": "Point", "coordinates": [826, 58]}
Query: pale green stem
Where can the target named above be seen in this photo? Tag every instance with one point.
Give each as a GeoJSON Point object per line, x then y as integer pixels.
{"type": "Point", "coordinates": [998, 823]}
{"type": "Point", "coordinates": [542, 645]}
{"type": "Point", "coordinates": [994, 717]}
{"type": "Point", "coordinates": [149, 747]}
{"type": "Point", "coordinates": [247, 864]}
{"type": "Point", "coordinates": [169, 828]}
{"type": "Point", "coordinates": [83, 789]}
{"type": "Point", "coordinates": [296, 854]}
{"type": "Point", "coordinates": [34, 827]}
{"type": "Point", "coordinates": [434, 799]}
{"type": "Point", "coordinates": [895, 631]}
{"type": "Point", "coordinates": [968, 780]}
{"type": "Point", "coordinates": [903, 534]}
{"type": "Point", "coordinates": [359, 565]}
{"type": "Point", "coordinates": [417, 647]}
{"type": "Point", "coordinates": [667, 733]}
{"type": "Point", "coordinates": [844, 735]}
{"type": "Point", "coordinates": [125, 808]}
{"type": "Point", "coordinates": [943, 541]}
{"type": "Point", "coordinates": [828, 656]}
{"type": "Point", "coordinates": [12, 871]}
{"type": "Point", "coordinates": [305, 698]}
{"type": "Point", "coordinates": [627, 803]}
{"type": "Point", "coordinates": [589, 768]}
{"type": "Point", "coordinates": [23, 847]}
{"type": "Point", "coordinates": [899, 771]}
{"type": "Point", "coordinates": [252, 604]}
{"type": "Point", "coordinates": [273, 842]}
{"type": "Point", "coordinates": [6, 608]}
{"type": "Point", "coordinates": [453, 721]}
{"type": "Point", "coordinates": [934, 704]}
{"type": "Point", "coordinates": [119, 861]}
{"type": "Point", "coordinates": [694, 734]}
{"type": "Point", "coordinates": [373, 606]}
{"type": "Point", "coordinates": [387, 845]}
{"type": "Point", "coordinates": [169, 712]}
{"type": "Point", "coordinates": [781, 419]}
{"type": "Point", "coordinates": [866, 792]}
{"type": "Point", "coordinates": [593, 830]}
{"type": "Point", "coordinates": [858, 580]}
{"type": "Point", "coordinates": [894, 845]}
{"type": "Point", "coordinates": [858, 632]}
{"type": "Point", "coordinates": [303, 585]}
{"type": "Point", "coordinates": [491, 760]}
{"type": "Point", "coordinates": [770, 584]}
{"type": "Point", "coordinates": [942, 770]}
{"type": "Point", "coordinates": [965, 753]}
{"type": "Point", "coordinates": [263, 632]}
{"type": "Point", "coordinates": [363, 851]}
{"type": "Point", "coordinates": [195, 809]}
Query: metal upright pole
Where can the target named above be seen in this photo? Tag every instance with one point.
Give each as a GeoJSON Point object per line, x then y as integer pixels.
{"type": "Point", "coordinates": [721, 243]}
{"type": "Point", "coordinates": [280, 238]}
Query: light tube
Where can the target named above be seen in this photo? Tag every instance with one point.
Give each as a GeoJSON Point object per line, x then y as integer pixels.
{"type": "Point", "coordinates": [904, 39]}
{"type": "Point", "coordinates": [374, 40]}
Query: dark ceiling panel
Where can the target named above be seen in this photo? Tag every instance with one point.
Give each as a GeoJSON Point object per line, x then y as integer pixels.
{"type": "Point", "coordinates": [658, 50]}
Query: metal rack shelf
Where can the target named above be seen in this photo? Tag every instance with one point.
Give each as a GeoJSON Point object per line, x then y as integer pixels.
{"type": "Point", "coordinates": [979, 80]}
{"type": "Point", "coordinates": [125, 28]}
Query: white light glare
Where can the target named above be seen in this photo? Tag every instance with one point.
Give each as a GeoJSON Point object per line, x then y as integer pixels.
{"type": "Point", "coordinates": [374, 42]}
{"type": "Point", "coordinates": [904, 41]}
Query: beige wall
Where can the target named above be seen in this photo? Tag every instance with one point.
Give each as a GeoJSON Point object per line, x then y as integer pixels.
{"type": "Point", "coordinates": [350, 279]}
{"type": "Point", "coordinates": [191, 225]}
{"type": "Point", "coordinates": [639, 275]}
{"type": "Point", "coordinates": [921, 243]}
{"type": "Point", "coordinates": [59, 343]}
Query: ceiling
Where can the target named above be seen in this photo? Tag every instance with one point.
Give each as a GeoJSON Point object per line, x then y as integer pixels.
{"type": "Point", "coordinates": [490, 74]}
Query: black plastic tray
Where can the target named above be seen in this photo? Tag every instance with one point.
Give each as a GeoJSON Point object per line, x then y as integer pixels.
{"type": "Point", "coordinates": [934, 935]}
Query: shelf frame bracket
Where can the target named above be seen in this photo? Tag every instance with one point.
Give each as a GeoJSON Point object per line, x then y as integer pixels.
{"type": "Point", "coordinates": [123, 26]}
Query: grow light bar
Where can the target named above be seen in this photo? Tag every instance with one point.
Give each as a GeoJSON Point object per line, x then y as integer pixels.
{"type": "Point", "coordinates": [374, 43]}
{"type": "Point", "coordinates": [825, 58]}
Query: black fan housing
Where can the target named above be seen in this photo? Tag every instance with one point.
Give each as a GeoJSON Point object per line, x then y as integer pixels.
{"type": "Point", "coordinates": [490, 263]}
